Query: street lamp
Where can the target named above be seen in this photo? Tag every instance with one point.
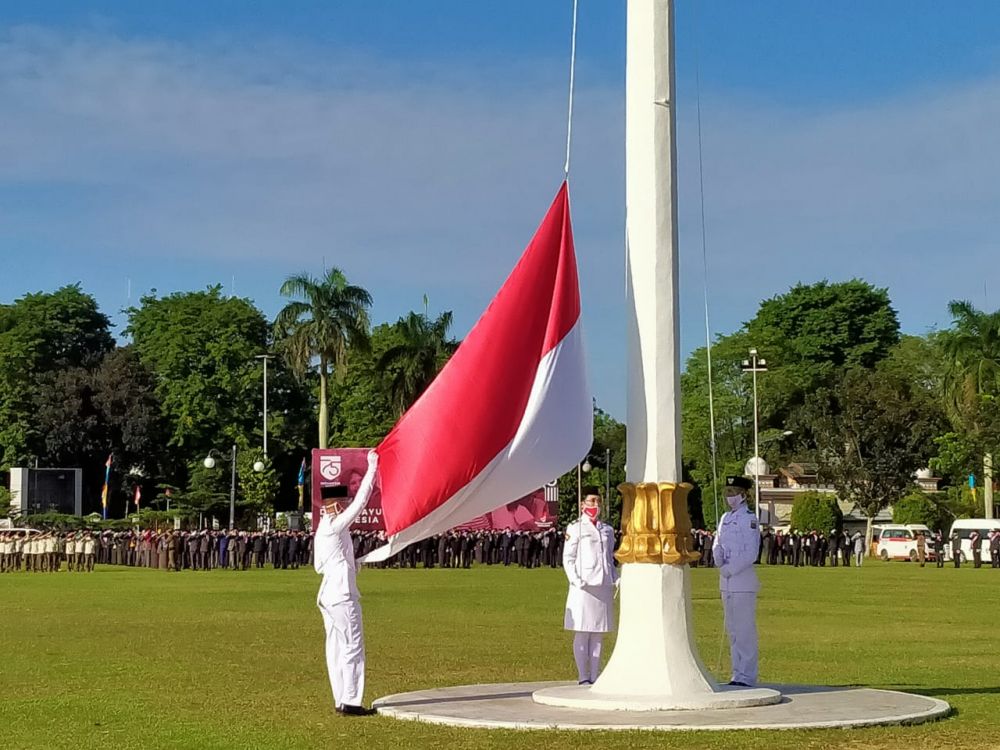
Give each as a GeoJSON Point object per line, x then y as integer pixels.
{"type": "Point", "coordinates": [210, 462]}
{"type": "Point", "coordinates": [755, 365]}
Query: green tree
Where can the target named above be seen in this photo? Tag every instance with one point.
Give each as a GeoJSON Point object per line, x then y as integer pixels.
{"type": "Point", "coordinates": [5, 501]}
{"type": "Point", "coordinates": [919, 507]}
{"type": "Point", "coordinates": [956, 457]}
{"type": "Point", "coordinates": [207, 492]}
{"type": "Point", "coordinates": [364, 412]}
{"type": "Point", "coordinates": [871, 433]}
{"type": "Point", "coordinates": [609, 435]}
{"type": "Point", "coordinates": [817, 511]}
{"type": "Point", "coordinates": [809, 336]}
{"type": "Point", "coordinates": [328, 321]}
{"type": "Point", "coordinates": [256, 490]}
{"type": "Point", "coordinates": [919, 360]}
{"type": "Point", "coordinates": [971, 349]}
{"type": "Point", "coordinates": [201, 349]}
{"type": "Point", "coordinates": [410, 366]}
{"type": "Point", "coordinates": [815, 331]}
{"type": "Point", "coordinates": [42, 333]}
{"type": "Point", "coordinates": [110, 409]}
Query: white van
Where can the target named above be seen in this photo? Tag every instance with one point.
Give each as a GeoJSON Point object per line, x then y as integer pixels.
{"type": "Point", "coordinates": [965, 527]}
{"type": "Point", "coordinates": [899, 542]}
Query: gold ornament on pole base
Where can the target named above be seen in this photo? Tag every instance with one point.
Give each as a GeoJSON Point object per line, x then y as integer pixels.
{"type": "Point", "coordinates": [656, 526]}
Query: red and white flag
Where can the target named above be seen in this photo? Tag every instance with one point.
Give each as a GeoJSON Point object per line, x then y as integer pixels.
{"type": "Point", "coordinates": [511, 410]}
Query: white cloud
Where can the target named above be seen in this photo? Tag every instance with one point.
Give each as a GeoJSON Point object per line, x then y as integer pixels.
{"type": "Point", "coordinates": [428, 178]}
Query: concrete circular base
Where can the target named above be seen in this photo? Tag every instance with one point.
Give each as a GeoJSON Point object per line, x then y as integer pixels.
{"type": "Point", "coordinates": [586, 697]}
{"type": "Point", "coordinates": [510, 706]}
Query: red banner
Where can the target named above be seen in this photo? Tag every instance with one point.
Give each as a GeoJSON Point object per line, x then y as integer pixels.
{"type": "Point", "coordinates": [346, 467]}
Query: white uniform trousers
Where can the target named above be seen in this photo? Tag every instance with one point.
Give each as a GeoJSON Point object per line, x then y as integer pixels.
{"type": "Point", "coordinates": [740, 611]}
{"type": "Point", "coordinates": [345, 651]}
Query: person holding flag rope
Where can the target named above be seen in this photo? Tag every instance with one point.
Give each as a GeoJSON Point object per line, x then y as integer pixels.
{"type": "Point", "coordinates": [338, 593]}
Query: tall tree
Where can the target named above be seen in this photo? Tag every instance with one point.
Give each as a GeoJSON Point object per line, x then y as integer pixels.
{"type": "Point", "coordinates": [410, 366]}
{"type": "Point", "coordinates": [329, 319]}
{"type": "Point", "coordinates": [972, 378]}
{"type": "Point", "coordinates": [201, 349]}
{"type": "Point", "coordinates": [43, 333]}
{"type": "Point", "coordinates": [871, 432]}
{"type": "Point", "coordinates": [809, 336]}
{"type": "Point", "coordinates": [364, 412]}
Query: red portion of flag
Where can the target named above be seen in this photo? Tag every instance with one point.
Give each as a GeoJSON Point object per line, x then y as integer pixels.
{"type": "Point", "coordinates": [475, 406]}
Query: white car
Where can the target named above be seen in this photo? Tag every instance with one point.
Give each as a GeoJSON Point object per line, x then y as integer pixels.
{"type": "Point", "coordinates": [965, 527]}
{"type": "Point", "coordinates": [899, 542]}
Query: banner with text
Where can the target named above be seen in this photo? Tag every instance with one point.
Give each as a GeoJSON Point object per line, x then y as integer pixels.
{"type": "Point", "coordinates": [346, 467]}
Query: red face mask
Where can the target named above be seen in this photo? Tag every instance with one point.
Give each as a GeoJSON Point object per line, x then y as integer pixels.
{"type": "Point", "coordinates": [591, 513]}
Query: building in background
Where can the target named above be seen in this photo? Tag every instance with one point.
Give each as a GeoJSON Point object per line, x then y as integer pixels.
{"type": "Point", "coordinates": [34, 491]}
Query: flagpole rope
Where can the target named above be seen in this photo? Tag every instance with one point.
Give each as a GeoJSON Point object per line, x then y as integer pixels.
{"type": "Point", "coordinates": [572, 85]}
{"type": "Point", "coordinates": [704, 259]}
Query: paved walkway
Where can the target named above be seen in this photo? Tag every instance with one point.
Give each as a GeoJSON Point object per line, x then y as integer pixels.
{"type": "Point", "coordinates": [510, 706]}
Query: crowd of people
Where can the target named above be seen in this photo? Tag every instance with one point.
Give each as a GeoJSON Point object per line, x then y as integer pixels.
{"type": "Point", "coordinates": [463, 548]}
{"type": "Point", "coordinates": [168, 550]}
{"type": "Point", "coordinates": [798, 549]}
{"type": "Point", "coordinates": [175, 550]}
{"type": "Point", "coordinates": [45, 552]}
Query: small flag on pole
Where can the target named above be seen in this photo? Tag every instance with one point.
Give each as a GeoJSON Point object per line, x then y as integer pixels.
{"type": "Point", "coordinates": [302, 484]}
{"type": "Point", "coordinates": [137, 496]}
{"type": "Point", "coordinates": [104, 490]}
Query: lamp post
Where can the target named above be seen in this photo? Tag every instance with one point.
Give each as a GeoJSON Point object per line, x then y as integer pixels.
{"type": "Point", "coordinates": [755, 365]}
{"type": "Point", "coordinates": [211, 460]}
{"type": "Point", "coordinates": [264, 358]}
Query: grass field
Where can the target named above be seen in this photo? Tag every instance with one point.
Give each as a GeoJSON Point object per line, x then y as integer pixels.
{"type": "Point", "coordinates": [143, 659]}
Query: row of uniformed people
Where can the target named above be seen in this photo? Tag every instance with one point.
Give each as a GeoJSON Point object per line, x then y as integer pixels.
{"type": "Point", "coordinates": [465, 548]}
{"type": "Point", "coordinates": [45, 552]}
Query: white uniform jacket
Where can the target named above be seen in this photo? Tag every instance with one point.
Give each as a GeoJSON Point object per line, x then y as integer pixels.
{"type": "Point", "coordinates": [589, 562]}
{"type": "Point", "coordinates": [735, 551]}
{"type": "Point", "coordinates": [333, 550]}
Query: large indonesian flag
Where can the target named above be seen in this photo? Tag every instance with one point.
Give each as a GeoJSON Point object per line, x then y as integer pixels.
{"type": "Point", "coordinates": [511, 410]}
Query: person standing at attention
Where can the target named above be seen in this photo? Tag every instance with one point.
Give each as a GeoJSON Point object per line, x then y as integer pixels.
{"type": "Point", "coordinates": [588, 559]}
{"type": "Point", "coordinates": [735, 551]}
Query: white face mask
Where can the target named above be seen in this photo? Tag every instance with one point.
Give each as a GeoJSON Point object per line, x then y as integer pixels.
{"type": "Point", "coordinates": [734, 501]}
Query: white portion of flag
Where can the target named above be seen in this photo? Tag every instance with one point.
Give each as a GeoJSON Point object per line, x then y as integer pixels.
{"type": "Point", "coordinates": [557, 429]}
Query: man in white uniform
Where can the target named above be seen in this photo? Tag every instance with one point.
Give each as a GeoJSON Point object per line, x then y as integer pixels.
{"type": "Point", "coordinates": [338, 595]}
{"type": "Point", "coordinates": [589, 562]}
{"type": "Point", "coordinates": [735, 551]}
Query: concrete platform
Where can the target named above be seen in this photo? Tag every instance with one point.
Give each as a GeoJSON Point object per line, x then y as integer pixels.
{"type": "Point", "coordinates": [510, 706]}
{"type": "Point", "coordinates": [590, 698]}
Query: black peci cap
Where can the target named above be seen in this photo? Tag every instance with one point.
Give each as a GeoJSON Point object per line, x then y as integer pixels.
{"type": "Point", "coordinates": [334, 492]}
{"type": "Point", "coordinates": [739, 482]}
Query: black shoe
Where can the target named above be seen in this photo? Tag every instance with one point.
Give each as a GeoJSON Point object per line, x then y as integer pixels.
{"type": "Point", "coordinates": [735, 683]}
{"type": "Point", "coordinates": [349, 710]}
{"type": "Point", "coordinates": [585, 682]}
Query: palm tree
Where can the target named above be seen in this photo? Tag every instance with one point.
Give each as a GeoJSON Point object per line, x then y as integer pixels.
{"type": "Point", "coordinates": [410, 366]}
{"type": "Point", "coordinates": [972, 356]}
{"type": "Point", "coordinates": [328, 319]}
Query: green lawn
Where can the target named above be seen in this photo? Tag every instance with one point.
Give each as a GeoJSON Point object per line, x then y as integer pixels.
{"type": "Point", "coordinates": [143, 659]}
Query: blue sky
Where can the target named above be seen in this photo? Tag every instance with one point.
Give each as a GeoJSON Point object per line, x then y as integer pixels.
{"type": "Point", "coordinates": [416, 145]}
